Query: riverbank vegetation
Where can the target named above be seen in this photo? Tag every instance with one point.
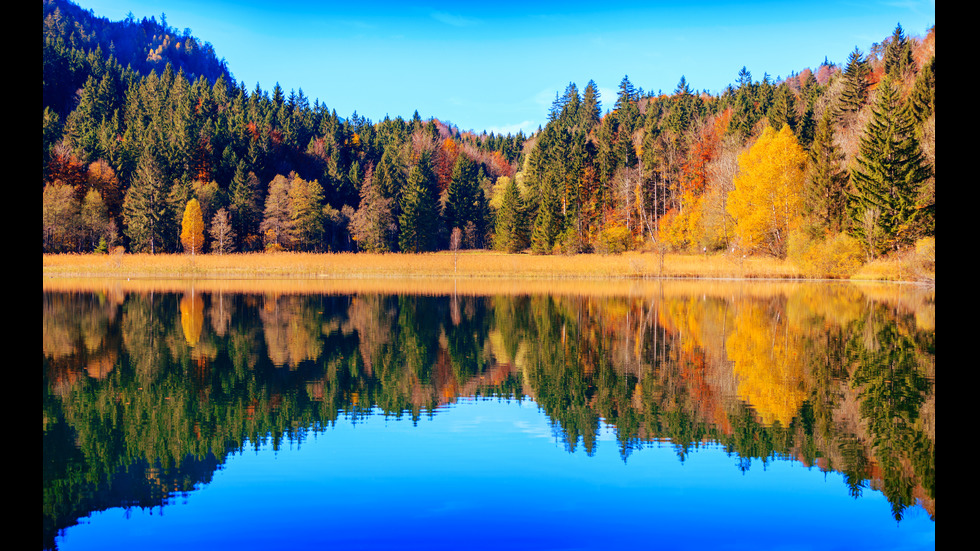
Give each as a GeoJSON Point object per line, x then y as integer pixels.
{"type": "Point", "coordinates": [149, 144]}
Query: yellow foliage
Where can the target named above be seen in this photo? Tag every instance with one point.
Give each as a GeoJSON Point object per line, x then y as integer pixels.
{"type": "Point", "coordinates": [767, 361]}
{"type": "Point", "coordinates": [768, 196]}
{"type": "Point", "coordinates": [835, 256]}
{"type": "Point", "coordinates": [192, 228]}
{"type": "Point", "coordinates": [192, 317]}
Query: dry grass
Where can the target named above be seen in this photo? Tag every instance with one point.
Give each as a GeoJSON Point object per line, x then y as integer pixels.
{"type": "Point", "coordinates": [471, 264]}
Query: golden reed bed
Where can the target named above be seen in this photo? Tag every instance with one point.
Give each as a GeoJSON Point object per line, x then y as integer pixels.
{"type": "Point", "coordinates": [465, 265]}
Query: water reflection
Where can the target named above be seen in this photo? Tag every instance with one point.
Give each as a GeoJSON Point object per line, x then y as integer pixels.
{"type": "Point", "coordinates": [148, 391]}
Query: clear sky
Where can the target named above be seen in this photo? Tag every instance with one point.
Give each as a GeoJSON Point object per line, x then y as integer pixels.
{"type": "Point", "coordinates": [497, 66]}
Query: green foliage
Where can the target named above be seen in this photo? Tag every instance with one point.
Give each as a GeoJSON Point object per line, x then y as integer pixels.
{"type": "Point", "coordinates": [887, 176]}
{"type": "Point", "coordinates": [418, 222]}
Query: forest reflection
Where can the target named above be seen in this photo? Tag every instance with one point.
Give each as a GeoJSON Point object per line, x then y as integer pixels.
{"type": "Point", "coordinates": [148, 391]}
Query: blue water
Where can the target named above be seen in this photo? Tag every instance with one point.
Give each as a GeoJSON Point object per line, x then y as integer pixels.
{"type": "Point", "coordinates": [489, 474]}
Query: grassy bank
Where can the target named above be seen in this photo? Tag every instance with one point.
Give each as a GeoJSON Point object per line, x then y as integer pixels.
{"type": "Point", "coordinates": [467, 264]}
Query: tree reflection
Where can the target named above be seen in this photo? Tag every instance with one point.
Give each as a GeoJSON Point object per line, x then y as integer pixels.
{"type": "Point", "coordinates": [158, 388]}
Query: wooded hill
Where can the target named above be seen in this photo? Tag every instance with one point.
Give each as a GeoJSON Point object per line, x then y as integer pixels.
{"type": "Point", "coordinates": [141, 119]}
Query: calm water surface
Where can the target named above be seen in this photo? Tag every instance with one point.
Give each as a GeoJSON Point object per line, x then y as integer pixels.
{"type": "Point", "coordinates": [707, 415]}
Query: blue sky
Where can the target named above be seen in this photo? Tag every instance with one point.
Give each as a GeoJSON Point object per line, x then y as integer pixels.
{"type": "Point", "coordinates": [497, 66]}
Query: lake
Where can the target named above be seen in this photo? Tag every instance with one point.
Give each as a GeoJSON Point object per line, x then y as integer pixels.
{"type": "Point", "coordinates": [510, 415]}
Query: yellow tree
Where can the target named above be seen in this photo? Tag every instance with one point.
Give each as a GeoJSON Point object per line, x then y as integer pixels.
{"type": "Point", "coordinates": [192, 228]}
{"type": "Point", "coordinates": [768, 195]}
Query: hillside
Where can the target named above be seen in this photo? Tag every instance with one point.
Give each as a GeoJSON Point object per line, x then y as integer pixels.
{"type": "Point", "coordinates": [139, 119]}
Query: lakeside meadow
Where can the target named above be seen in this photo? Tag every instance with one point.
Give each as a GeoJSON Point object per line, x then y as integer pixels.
{"type": "Point", "coordinates": [470, 264]}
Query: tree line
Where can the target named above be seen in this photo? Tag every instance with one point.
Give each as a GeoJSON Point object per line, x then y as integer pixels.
{"type": "Point", "coordinates": [840, 159]}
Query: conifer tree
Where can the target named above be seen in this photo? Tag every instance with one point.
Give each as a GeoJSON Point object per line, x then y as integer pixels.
{"type": "Point", "coordinates": [898, 54]}
{"type": "Point", "coordinates": [146, 209]}
{"type": "Point", "coordinates": [855, 89]}
{"type": "Point", "coordinates": [419, 209]}
{"type": "Point", "coordinates": [889, 170]}
{"type": "Point", "coordinates": [510, 233]}
{"type": "Point", "coordinates": [461, 197]}
{"type": "Point", "coordinates": [922, 100]}
{"type": "Point", "coordinates": [827, 182]}
{"type": "Point", "coordinates": [590, 110]}
{"type": "Point", "coordinates": [245, 212]}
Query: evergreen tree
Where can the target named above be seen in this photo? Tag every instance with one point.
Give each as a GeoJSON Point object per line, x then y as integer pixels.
{"type": "Point", "coordinates": [245, 212]}
{"type": "Point", "coordinates": [461, 197]}
{"type": "Point", "coordinates": [419, 209]}
{"type": "Point", "coordinates": [548, 224]}
{"type": "Point", "coordinates": [146, 209]}
{"type": "Point", "coordinates": [826, 185]}
{"type": "Point", "coordinates": [855, 89]}
{"type": "Point", "coordinates": [922, 99]}
{"type": "Point", "coordinates": [510, 232]}
{"type": "Point", "coordinates": [898, 54]}
{"type": "Point", "coordinates": [889, 170]}
{"type": "Point", "coordinates": [590, 110]}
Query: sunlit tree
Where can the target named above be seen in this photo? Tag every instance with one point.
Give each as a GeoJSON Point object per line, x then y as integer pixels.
{"type": "Point", "coordinates": [768, 196]}
{"type": "Point", "coordinates": [192, 228]}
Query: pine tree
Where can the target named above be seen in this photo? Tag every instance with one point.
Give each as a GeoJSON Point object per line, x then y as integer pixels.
{"type": "Point", "coordinates": [146, 209]}
{"type": "Point", "coordinates": [898, 54]}
{"type": "Point", "coordinates": [827, 182]}
{"type": "Point", "coordinates": [461, 196]}
{"type": "Point", "coordinates": [922, 100]}
{"type": "Point", "coordinates": [245, 212]}
{"type": "Point", "coordinates": [549, 222]}
{"type": "Point", "coordinates": [890, 168]}
{"type": "Point", "coordinates": [510, 232]}
{"type": "Point", "coordinates": [855, 90]}
{"type": "Point", "coordinates": [419, 209]}
{"type": "Point", "coordinates": [590, 110]}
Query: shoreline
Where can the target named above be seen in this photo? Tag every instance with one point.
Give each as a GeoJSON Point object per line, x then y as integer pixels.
{"type": "Point", "coordinates": [474, 265]}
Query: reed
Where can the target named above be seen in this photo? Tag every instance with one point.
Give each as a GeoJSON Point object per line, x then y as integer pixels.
{"type": "Point", "coordinates": [471, 264]}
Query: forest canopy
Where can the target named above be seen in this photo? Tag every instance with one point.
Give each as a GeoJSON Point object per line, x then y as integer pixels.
{"type": "Point", "coordinates": [139, 119]}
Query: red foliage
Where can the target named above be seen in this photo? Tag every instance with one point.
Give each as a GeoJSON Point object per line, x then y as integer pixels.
{"type": "Point", "coordinates": [65, 167]}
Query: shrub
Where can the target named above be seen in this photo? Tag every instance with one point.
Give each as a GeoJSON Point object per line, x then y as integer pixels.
{"type": "Point", "coordinates": [613, 239]}
{"type": "Point", "coordinates": [836, 256]}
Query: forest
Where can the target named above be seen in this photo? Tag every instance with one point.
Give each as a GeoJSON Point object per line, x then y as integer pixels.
{"type": "Point", "coordinates": [150, 144]}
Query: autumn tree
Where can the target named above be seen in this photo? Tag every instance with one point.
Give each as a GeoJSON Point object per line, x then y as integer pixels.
{"type": "Point", "coordinates": [767, 199]}
{"type": "Point", "coordinates": [59, 218]}
{"type": "Point", "coordinates": [277, 224]}
{"type": "Point", "coordinates": [222, 232]}
{"type": "Point", "coordinates": [192, 228]}
{"type": "Point", "coordinates": [372, 224]}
